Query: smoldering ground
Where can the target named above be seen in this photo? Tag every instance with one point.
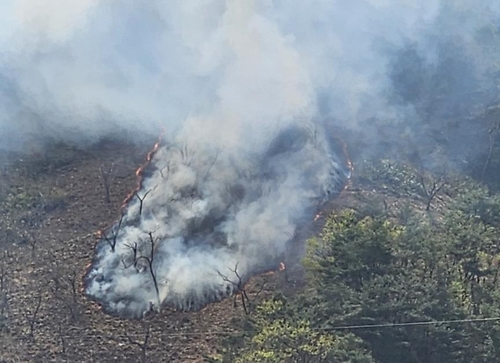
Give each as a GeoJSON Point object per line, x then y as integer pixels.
{"type": "Point", "coordinates": [204, 222]}
{"type": "Point", "coordinates": [226, 81]}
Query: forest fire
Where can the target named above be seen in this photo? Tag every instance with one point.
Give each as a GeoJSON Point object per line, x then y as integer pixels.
{"type": "Point", "coordinates": [318, 216]}
{"type": "Point", "coordinates": [140, 171]}
{"type": "Point", "coordinates": [193, 233]}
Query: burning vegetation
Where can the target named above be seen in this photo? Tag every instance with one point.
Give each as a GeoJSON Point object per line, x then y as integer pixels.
{"type": "Point", "coordinates": [200, 218]}
{"type": "Point", "coordinates": [252, 96]}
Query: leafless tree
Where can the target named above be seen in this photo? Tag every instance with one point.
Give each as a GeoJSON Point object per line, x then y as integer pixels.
{"type": "Point", "coordinates": [239, 287]}
{"type": "Point", "coordinates": [149, 259]}
{"type": "Point", "coordinates": [134, 249]}
{"type": "Point", "coordinates": [143, 345]}
{"type": "Point", "coordinates": [112, 241]}
{"type": "Point", "coordinates": [165, 174]}
{"type": "Point", "coordinates": [186, 154]}
{"type": "Point", "coordinates": [61, 287]}
{"type": "Point", "coordinates": [73, 284]}
{"type": "Point", "coordinates": [261, 288]}
{"type": "Point", "coordinates": [141, 199]}
{"type": "Point", "coordinates": [62, 338]}
{"type": "Point", "coordinates": [4, 293]}
{"type": "Point", "coordinates": [432, 189]}
{"type": "Point", "coordinates": [106, 175]}
{"type": "Point", "coordinates": [32, 317]}
{"type": "Point", "coordinates": [493, 135]}
{"type": "Point", "coordinates": [214, 160]}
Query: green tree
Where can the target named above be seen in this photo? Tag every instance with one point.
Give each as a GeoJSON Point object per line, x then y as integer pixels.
{"type": "Point", "coordinates": [369, 270]}
{"type": "Point", "coordinates": [284, 335]}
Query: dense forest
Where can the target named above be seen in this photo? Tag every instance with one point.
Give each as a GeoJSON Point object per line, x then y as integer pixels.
{"type": "Point", "coordinates": [407, 272]}
{"type": "Point", "coordinates": [399, 100]}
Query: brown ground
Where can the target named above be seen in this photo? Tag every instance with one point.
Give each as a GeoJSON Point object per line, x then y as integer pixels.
{"type": "Point", "coordinates": [51, 205]}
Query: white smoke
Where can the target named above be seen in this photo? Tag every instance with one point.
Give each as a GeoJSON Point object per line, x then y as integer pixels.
{"type": "Point", "coordinates": [206, 219]}
{"type": "Point", "coordinates": [232, 188]}
{"type": "Point", "coordinates": [242, 90]}
{"type": "Point", "coordinates": [87, 69]}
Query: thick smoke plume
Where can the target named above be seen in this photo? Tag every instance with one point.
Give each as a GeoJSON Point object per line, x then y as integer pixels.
{"type": "Point", "coordinates": [205, 220]}
{"type": "Point", "coordinates": [249, 95]}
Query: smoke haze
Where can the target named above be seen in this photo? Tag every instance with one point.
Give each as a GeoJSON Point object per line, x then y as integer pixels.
{"type": "Point", "coordinates": [249, 95]}
{"type": "Point", "coordinates": [99, 67]}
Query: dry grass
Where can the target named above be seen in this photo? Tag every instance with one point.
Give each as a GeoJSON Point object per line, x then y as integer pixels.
{"type": "Point", "coordinates": [47, 250]}
{"type": "Point", "coordinates": [49, 216]}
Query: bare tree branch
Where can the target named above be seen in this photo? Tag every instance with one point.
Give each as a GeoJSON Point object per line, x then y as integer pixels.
{"type": "Point", "coordinates": [67, 284]}
{"type": "Point", "coordinates": [432, 191]}
{"type": "Point", "coordinates": [33, 317]}
{"type": "Point", "coordinates": [167, 173]}
{"type": "Point", "coordinates": [3, 290]}
{"type": "Point", "coordinates": [493, 133]}
{"type": "Point", "coordinates": [105, 178]}
{"type": "Point", "coordinates": [239, 287]}
{"type": "Point", "coordinates": [150, 261]}
{"type": "Point", "coordinates": [141, 200]}
{"type": "Point", "coordinates": [112, 241]}
{"type": "Point", "coordinates": [61, 337]}
{"type": "Point", "coordinates": [211, 165]}
{"type": "Point", "coordinates": [142, 345]}
{"type": "Point", "coordinates": [134, 249]}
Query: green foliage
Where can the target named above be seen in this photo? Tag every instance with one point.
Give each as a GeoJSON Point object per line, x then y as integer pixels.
{"type": "Point", "coordinates": [367, 270]}
{"type": "Point", "coordinates": [357, 249]}
{"type": "Point", "coordinates": [403, 180]}
{"type": "Point", "coordinates": [284, 335]}
{"type": "Point", "coordinates": [388, 175]}
{"type": "Point", "coordinates": [31, 197]}
{"type": "Point", "coordinates": [479, 204]}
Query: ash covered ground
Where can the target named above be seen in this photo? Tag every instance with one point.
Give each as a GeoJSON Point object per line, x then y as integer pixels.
{"type": "Point", "coordinates": [204, 221]}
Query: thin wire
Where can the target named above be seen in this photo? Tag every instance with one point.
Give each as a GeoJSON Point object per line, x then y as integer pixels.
{"type": "Point", "coordinates": [416, 323]}
{"type": "Point", "coordinates": [341, 327]}
{"type": "Point", "coordinates": [332, 328]}
{"type": "Point", "coordinates": [233, 333]}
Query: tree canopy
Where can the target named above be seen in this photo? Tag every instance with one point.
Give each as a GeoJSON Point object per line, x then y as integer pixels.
{"type": "Point", "coordinates": [383, 274]}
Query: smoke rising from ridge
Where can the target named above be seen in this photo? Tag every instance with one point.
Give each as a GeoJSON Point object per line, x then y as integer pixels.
{"type": "Point", "coordinates": [249, 95]}
{"type": "Point", "coordinates": [83, 71]}
{"type": "Point", "coordinates": [204, 221]}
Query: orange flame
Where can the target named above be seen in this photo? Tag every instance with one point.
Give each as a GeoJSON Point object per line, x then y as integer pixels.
{"type": "Point", "coordinates": [139, 174]}
{"type": "Point", "coordinates": [318, 216]}
{"type": "Point", "coordinates": [140, 170]}
{"type": "Point", "coordinates": [268, 273]}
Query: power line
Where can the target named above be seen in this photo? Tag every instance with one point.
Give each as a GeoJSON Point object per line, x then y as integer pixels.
{"type": "Point", "coordinates": [416, 323]}
{"type": "Point", "coordinates": [332, 328]}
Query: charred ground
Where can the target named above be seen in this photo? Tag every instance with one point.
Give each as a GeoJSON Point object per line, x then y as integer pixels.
{"type": "Point", "coordinates": [52, 204]}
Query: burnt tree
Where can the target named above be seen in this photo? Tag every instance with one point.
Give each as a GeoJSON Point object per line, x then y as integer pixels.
{"type": "Point", "coordinates": [65, 290]}
{"type": "Point", "coordinates": [106, 175]}
{"type": "Point", "coordinates": [149, 259]}
{"type": "Point", "coordinates": [32, 317]}
{"type": "Point", "coordinates": [431, 189]}
{"type": "Point", "coordinates": [143, 345]}
{"type": "Point", "coordinates": [114, 231]}
{"type": "Point", "coordinates": [4, 296]}
{"type": "Point", "coordinates": [141, 199]}
{"type": "Point", "coordinates": [164, 174]}
{"type": "Point", "coordinates": [239, 287]}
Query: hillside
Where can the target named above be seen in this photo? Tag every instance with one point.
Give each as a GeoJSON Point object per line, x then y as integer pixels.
{"type": "Point", "coordinates": [405, 269]}
{"type": "Point", "coordinates": [52, 205]}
